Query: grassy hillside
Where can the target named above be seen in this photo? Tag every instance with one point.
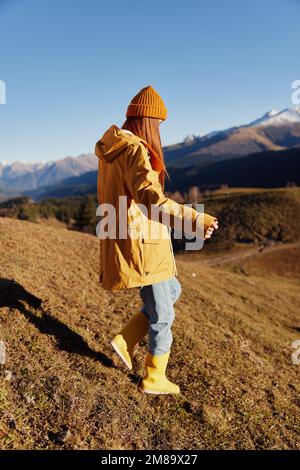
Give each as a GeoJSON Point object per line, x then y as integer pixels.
{"type": "Point", "coordinates": [256, 216]}
{"type": "Point", "coordinates": [231, 355]}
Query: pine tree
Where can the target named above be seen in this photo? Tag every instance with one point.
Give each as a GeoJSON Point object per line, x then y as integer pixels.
{"type": "Point", "coordinates": [86, 216]}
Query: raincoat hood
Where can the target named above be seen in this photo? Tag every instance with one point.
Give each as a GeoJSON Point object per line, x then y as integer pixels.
{"type": "Point", "coordinates": [113, 142]}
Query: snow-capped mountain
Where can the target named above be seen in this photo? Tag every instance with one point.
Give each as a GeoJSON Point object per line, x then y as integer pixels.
{"type": "Point", "coordinates": [278, 118]}
{"type": "Point", "coordinates": [273, 117]}
{"type": "Point", "coordinates": [20, 177]}
{"type": "Point", "coordinates": [275, 130]}
{"type": "Point", "coordinates": [265, 118]}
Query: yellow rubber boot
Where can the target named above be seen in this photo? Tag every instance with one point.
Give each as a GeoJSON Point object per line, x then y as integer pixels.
{"type": "Point", "coordinates": [124, 342]}
{"type": "Point", "coordinates": [155, 381]}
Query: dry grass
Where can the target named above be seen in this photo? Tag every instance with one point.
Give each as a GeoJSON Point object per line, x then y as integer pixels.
{"type": "Point", "coordinates": [231, 353]}
{"type": "Point", "coordinates": [282, 261]}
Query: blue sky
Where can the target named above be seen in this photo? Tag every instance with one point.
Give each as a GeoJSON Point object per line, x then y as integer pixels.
{"type": "Point", "coordinates": [71, 67]}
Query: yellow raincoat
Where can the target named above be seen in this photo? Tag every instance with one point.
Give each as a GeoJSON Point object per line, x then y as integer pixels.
{"type": "Point", "coordinates": [144, 254]}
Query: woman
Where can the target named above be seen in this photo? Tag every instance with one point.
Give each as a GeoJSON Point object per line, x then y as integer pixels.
{"type": "Point", "coordinates": [137, 251]}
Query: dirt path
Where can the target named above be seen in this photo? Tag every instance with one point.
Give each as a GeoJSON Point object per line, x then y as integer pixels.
{"type": "Point", "coordinates": [253, 251]}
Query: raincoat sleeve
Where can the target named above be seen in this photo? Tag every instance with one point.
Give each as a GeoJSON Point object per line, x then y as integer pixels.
{"type": "Point", "coordinates": [145, 188]}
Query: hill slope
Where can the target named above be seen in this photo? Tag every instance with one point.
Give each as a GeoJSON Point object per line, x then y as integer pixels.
{"type": "Point", "coordinates": [261, 170]}
{"type": "Point", "coordinates": [232, 359]}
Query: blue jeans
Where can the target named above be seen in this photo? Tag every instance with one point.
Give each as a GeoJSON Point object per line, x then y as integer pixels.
{"type": "Point", "coordinates": [158, 300]}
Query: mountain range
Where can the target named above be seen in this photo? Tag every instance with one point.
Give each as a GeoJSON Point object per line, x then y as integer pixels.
{"type": "Point", "coordinates": [198, 158]}
{"type": "Point", "coordinates": [274, 131]}
{"type": "Point", "coordinates": [20, 177]}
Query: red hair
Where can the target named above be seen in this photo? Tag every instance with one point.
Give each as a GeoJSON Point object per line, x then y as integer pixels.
{"type": "Point", "coordinates": [148, 129]}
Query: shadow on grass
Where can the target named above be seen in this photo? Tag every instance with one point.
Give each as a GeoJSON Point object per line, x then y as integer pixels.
{"type": "Point", "coordinates": [12, 294]}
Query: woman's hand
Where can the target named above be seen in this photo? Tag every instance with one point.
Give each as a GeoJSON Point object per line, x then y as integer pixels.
{"type": "Point", "coordinates": [213, 226]}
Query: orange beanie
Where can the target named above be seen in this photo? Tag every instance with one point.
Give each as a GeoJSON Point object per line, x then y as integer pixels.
{"type": "Point", "coordinates": [147, 103]}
